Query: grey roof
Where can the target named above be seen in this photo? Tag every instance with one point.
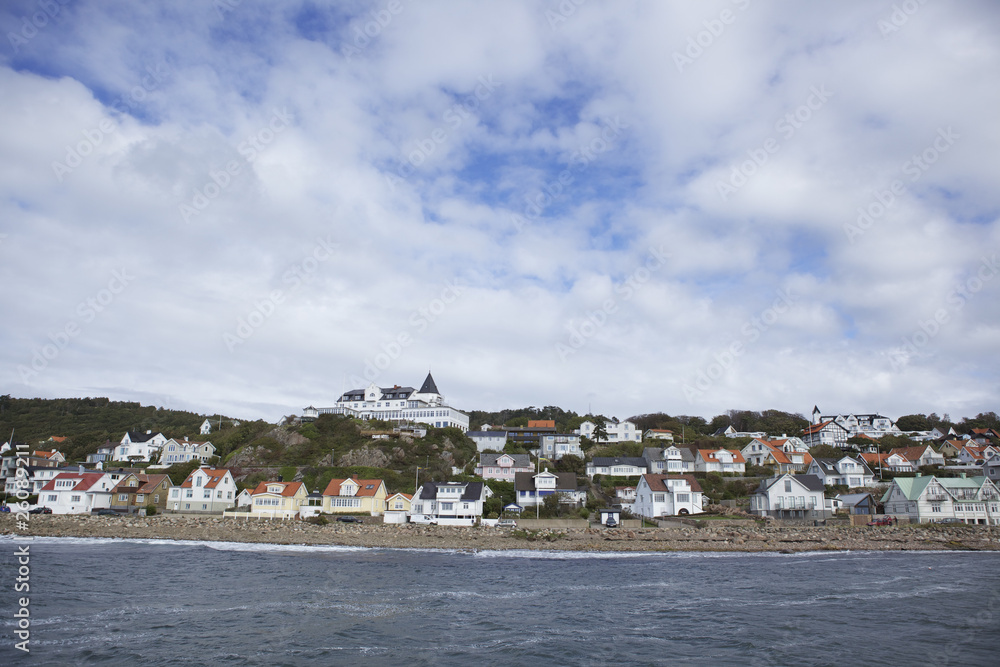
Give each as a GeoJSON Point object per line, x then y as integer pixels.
{"type": "Point", "coordinates": [473, 490]}
{"type": "Point", "coordinates": [619, 461]}
{"type": "Point", "coordinates": [852, 499]}
{"type": "Point", "coordinates": [428, 387]}
{"type": "Point", "coordinates": [811, 482]}
{"type": "Point", "coordinates": [565, 481]}
{"type": "Point", "coordinates": [486, 434]}
{"type": "Point", "coordinates": [829, 466]}
{"type": "Point", "coordinates": [651, 454]}
{"type": "Point", "coordinates": [140, 437]}
{"type": "Point", "coordinates": [520, 460]}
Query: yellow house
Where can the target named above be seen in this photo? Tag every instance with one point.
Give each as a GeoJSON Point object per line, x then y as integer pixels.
{"type": "Point", "coordinates": [355, 496]}
{"type": "Point", "coordinates": [277, 500]}
{"type": "Point", "coordinates": [398, 502]}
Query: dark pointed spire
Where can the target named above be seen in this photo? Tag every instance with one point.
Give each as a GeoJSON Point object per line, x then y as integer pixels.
{"type": "Point", "coordinates": [428, 387]}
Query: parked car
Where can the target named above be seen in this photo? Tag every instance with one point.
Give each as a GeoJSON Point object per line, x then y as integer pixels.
{"type": "Point", "coordinates": [881, 520]}
{"type": "Point", "coordinates": [348, 519]}
{"type": "Point", "coordinates": [611, 523]}
{"type": "Point", "coordinates": [506, 523]}
{"type": "Point", "coordinates": [4, 508]}
{"type": "Point", "coordinates": [106, 512]}
{"type": "Point", "coordinates": [40, 510]}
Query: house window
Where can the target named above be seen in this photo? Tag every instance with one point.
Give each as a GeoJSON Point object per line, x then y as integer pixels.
{"type": "Point", "coordinates": [74, 499]}
{"type": "Point", "coordinates": [204, 507]}
{"type": "Point", "coordinates": [187, 506]}
{"type": "Point", "coordinates": [53, 498]}
{"type": "Point", "coordinates": [122, 497]}
{"type": "Point", "coordinates": [447, 507]}
{"type": "Point", "coordinates": [788, 486]}
{"type": "Point", "coordinates": [189, 494]}
{"type": "Point", "coordinates": [156, 498]}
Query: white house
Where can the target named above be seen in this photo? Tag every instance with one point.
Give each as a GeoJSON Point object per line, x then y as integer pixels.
{"type": "Point", "coordinates": [991, 469]}
{"type": "Point", "coordinates": [181, 451]}
{"type": "Point", "coordinates": [846, 471]}
{"type": "Point", "coordinates": [790, 497]}
{"type": "Point", "coordinates": [825, 433]}
{"type": "Point", "coordinates": [667, 495]}
{"type": "Point", "coordinates": [908, 459]}
{"type": "Point", "coordinates": [720, 460]}
{"type": "Point", "coordinates": [783, 455]}
{"type": "Point", "coordinates": [449, 503]}
{"type": "Point", "coordinates": [926, 499]}
{"type": "Point", "coordinates": [503, 466]}
{"type": "Point", "coordinates": [206, 489]}
{"type": "Point", "coordinates": [976, 454]}
{"type": "Point", "coordinates": [731, 432]}
{"type": "Point", "coordinates": [494, 440]}
{"type": "Point", "coordinates": [531, 489]}
{"type": "Point", "coordinates": [658, 434]}
{"type": "Point", "coordinates": [138, 446]}
{"type": "Point", "coordinates": [206, 427]}
{"type": "Point", "coordinates": [617, 431]}
{"type": "Point", "coordinates": [277, 500]}
{"type": "Point", "coordinates": [77, 492]}
{"type": "Point", "coordinates": [398, 404]}
{"type": "Point", "coordinates": [617, 466]}
{"type": "Point", "coordinates": [872, 425]}
{"type": "Point", "coordinates": [554, 446]}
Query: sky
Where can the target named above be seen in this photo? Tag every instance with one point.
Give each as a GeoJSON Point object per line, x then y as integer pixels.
{"type": "Point", "coordinates": [251, 207]}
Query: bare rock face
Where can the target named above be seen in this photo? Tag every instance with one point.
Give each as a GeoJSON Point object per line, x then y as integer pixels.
{"type": "Point", "coordinates": [366, 456]}
{"type": "Point", "coordinates": [286, 437]}
{"type": "Point", "coordinates": [247, 457]}
{"type": "Point", "coordinates": [448, 444]}
{"type": "Point", "coordinates": [398, 454]}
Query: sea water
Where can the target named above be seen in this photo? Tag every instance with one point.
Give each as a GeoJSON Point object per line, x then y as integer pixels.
{"type": "Point", "coordinates": [160, 602]}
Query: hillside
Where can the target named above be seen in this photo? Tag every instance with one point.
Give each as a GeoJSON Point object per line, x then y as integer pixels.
{"type": "Point", "coordinates": [87, 423]}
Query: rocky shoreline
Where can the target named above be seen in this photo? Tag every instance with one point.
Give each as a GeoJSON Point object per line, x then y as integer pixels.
{"type": "Point", "coordinates": [377, 535]}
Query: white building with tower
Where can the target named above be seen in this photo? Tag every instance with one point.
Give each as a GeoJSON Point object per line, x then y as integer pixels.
{"type": "Point", "coordinates": [396, 404]}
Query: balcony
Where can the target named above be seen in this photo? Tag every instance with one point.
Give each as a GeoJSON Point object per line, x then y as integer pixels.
{"type": "Point", "coordinates": [936, 498]}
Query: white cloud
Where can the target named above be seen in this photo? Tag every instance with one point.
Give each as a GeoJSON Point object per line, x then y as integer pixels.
{"type": "Point", "coordinates": [288, 138]}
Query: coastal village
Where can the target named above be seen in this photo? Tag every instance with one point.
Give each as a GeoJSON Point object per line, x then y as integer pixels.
{"type": "Point", "coordinates": [834, 470]}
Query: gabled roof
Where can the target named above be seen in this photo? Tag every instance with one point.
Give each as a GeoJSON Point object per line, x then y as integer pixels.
{"type": "Point", "coordinates": [658, 484]}
{"type": "Point", "coordinates": [139, 437]}
{"type": "Point", "coordinates": [811, 482]}
{"type": "Point", "coordinates": [214, 476]}
{"type": "Point", "coordinates": [408, 496]}
{"type": "Point", "coordinates": [288, 488]}
{"type": "Point", "coordinates": [147, 483]}
{"type": "Point", "coordinates": [46, 454]}
{"type": "Point", "coordinates": [366, 487]}
{"type": "Point", "coordinates": [606, 461]}
{"type": "Point", "coordinates": [520, 460]}
{"type": "Point", "coordinates": [910, 453]}
{"type": "Point", "coordinates": [911, 487]}
{"type": "Point", "coordinates": [709, 455]}
{"type": "Point", "coordinates": [816, 428]}
{"type": "Point", "coordinates": [525, 481]}
{"type": "Point", "coordinates": [87, 480]}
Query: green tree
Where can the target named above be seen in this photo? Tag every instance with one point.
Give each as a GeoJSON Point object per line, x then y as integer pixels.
{"type": "Point", "coordinates": [600, 429]}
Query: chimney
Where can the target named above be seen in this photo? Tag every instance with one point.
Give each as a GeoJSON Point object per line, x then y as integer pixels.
{"type": "Point", "coordinates": [354, 477]}
{"type": "Point", "coordinates": [280, 479]}
{"type": "Point", "coordinates": [81, 468]}
{"type": "Point", "coordinates": [962, 475]}
{"type": "Point", "coordinates": [148, 432]}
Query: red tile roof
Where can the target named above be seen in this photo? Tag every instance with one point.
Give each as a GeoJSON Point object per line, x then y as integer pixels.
{"type": "Point", "coordinates": [333, 488]}
{"type": "Point", "coordinates": [910, 453]}
{"type": "Point", "coordinates": [288, 488]}
{"type": "Point", "coordinates": [656, 482]}
{"type": "Point", "coordinates": [87, 480]}
{"type": "Point", "coordinates": [215, 475]}
{"type": "Point", "coordinates": [709, 455]}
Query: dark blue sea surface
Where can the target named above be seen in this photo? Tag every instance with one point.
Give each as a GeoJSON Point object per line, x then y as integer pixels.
{"type": "Point", "coordinates": [152, 602]}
